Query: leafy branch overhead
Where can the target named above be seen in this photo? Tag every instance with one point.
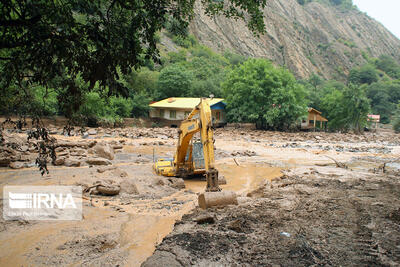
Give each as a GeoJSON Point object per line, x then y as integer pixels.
{"type": "Point", "coordinates": [50, 43]}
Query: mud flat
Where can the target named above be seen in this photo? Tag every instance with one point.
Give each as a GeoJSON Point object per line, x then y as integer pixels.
{"type": "Point", "coordinates": [313, 214]}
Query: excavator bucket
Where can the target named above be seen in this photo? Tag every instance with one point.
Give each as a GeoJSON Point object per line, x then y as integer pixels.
{"type": "Point", "coordinates": [217, 199]}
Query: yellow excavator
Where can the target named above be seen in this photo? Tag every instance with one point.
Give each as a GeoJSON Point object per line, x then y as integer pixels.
{"type": "Point", "coordinates": [197, 158]}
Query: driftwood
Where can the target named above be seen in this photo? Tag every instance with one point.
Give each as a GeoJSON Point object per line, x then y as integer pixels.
{"type": "Point", "coordinates": [338, 164]}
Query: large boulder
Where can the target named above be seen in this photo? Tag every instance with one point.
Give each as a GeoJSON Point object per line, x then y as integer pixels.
{"type": "Point", "coordinates": [104, 151]}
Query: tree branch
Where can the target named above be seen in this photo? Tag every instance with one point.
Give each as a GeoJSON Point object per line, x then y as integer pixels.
{"type": "Point", "coordinates": [20, 22]}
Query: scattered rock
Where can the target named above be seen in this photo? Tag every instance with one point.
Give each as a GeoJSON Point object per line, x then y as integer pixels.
{"type": "Point", "coordinates": [104, 169]}
{"type": "Point", "coordinates": [72, 163]}
{"type": "Point", "coordinates": [205, 218]}
{"type": "Point", "coordinates": [98, 161]}
{"type": "Point", "coordinates": [161, 259]}
{"type": "Point", "coordinates": [104, 151]}
{"type": "Point", "coordinates": [129, 187]}
{"type": "Point", "coordinates": [92, 132]}
{"type": "Point", "coordinates": [177, 183]}
{"type": "Point", "coordinates": [221, 180]}
{"type": "Point", "coordinates": [4, 162]}
{"type": "Point", "coordinates": [109, 190]}
{"type": "Point", "coordinates": [17, 165]}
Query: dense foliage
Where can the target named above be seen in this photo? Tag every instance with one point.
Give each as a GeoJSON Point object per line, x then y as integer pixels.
{"type": "Point", "coordinates": [77, 58]}
{"type": "Point", "coordinates": [52, 43]}
{"type": "Point", "coordinates": [377, 80]}
{"type": "Point", "coordinates": [396, 121]}
{"type": "Point", "coordinates": [259, 92]}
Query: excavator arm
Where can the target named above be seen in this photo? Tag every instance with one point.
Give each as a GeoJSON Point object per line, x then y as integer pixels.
{"type": "Point", "coordinates": [199, 120]}
{"type": "Point", "coordinates": [188, 128]}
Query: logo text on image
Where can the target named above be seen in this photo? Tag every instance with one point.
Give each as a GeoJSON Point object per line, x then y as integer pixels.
{"type": "Point", "coordinates": [42, 202]}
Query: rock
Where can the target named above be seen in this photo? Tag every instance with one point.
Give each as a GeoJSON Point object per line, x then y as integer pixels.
{"type": "Point", "coordinates": [109, 190]}
{"type": "Point", "coordinates": [4, 162]}
{"type": "Point", "coordinates": [129, 187]}
{"type": "Point", "coordinates": [98, 161]}
{"type": "Point", "coordinates": [62, 153]}
{"type": "Point", "coordinates": [221, 180]}
{"type": "Point", "coordinates": [318, 137]}
{"type": "Point", "coordinates": [85, 135]}
{"type": "Point", "coordinates": [17, 165]}
{"type": "Point", "coordinates": [24, 148]}
{"type": "Point", "coordinates": [205, 218]}
{"type": "Point", "coordinates": [177, 183]}
{"type": "Point", "coordinates": [104, 169]}
{"type": "Point", "coordinates": [72, 163]}
{"type": "Point", "coordinates": [92, 132]}
{"type": "Point", "coordinates": [84, 145]}
{"type": "Point", "coordinates": [104, 151]}
{"type": "Point", "coordinates": [59, 149]}
{"type": "Point", "coordinates": [59, 161]}
{"type": "Point", "coordinates": [161, 259]}
{"type": "Point", "coordinates": [78, 152]}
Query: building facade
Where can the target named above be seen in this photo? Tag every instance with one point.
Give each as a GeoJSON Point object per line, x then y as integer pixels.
{"type": "Point", "coordinates": [171, 111]}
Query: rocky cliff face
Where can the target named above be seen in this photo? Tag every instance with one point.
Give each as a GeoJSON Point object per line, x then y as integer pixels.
{"type": "Point", "coordinates": [315, 38]}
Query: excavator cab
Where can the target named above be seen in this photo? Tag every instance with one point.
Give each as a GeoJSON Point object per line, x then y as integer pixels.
{"type": "Point", "coordinates": [164, 167]}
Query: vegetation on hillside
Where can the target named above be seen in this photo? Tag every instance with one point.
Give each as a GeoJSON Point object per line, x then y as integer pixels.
{"type": "Point", "coordinates": [95, 82]}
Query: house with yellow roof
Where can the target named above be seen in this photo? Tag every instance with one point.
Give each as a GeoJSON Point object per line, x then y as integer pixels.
{"type": "Point", "coordinates": [171, 111]}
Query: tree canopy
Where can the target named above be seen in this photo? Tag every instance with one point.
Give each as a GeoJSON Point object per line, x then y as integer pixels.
{"type": "Point", "coordinates": [259, 92]}
{"type": "Point", "coordinates": [50, 43]}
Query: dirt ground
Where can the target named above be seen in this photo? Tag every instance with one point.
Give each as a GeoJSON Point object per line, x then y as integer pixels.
{"type": "Point", "coordinates": [297, 207]}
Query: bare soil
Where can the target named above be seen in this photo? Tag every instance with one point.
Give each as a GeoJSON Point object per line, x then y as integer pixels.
{"type": "Point", "coordinates": [296, 207]}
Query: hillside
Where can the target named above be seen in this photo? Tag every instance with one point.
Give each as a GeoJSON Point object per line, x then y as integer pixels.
{"type": "Point", "coordinates": [314, 38]}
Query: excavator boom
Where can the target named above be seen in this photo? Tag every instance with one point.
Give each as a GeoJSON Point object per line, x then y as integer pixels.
{"type": "Point", "coordinates": [199, 120]}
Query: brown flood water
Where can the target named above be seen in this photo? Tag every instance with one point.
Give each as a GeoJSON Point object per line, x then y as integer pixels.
{"type": "Point", "coordinates": [147, 224]}
{"type": "Point", "coordinates": [147, 227]}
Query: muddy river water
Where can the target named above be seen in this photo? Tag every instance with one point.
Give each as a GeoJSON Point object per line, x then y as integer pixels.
{"type": "Point", "coordinates": [146, 229]}
{"type": "Point", "coordinates": [144, 225]}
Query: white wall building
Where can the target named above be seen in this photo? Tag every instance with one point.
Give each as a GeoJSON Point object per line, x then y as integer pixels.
{"type": "Point", "coordinates": [172, 111]}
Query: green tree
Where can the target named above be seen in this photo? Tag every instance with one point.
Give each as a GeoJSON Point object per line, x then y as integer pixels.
{"type": "Point", "coordinates": [367, 74]}
{"type": "Point", "coordinates": [396, 121]}
{"type": "Point", "coordinates": [100, 40]}
{"type": "Point", "coordinates": [142, 81]}
{"type": "Point", "coordinates": [258, 92]}
{"type": "Point", "coordinates": [389, 66]}
{"type": "Point", "coordinates": [381, 102]}
{"type": "Point", "coordinates": [347, 109]}
{"type": "Point", "coordinates": [140, 105]}
{"type": "Point", "coordinates": [174, 81]}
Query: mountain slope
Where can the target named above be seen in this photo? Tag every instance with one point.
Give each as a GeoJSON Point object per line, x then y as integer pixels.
{"type": "Point", "coordinates": [315, 38]}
